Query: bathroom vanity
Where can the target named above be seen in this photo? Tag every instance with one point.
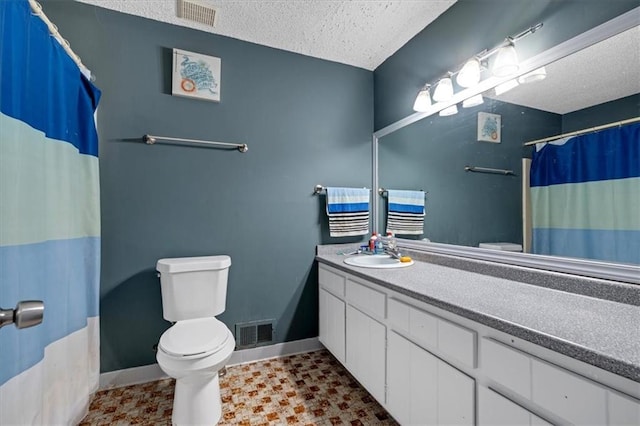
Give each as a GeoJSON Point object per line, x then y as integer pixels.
{"type": "Point", "coordinates": [460, 341]}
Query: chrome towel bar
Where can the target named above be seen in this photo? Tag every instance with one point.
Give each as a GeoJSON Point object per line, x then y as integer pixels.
{"type": "Point", "coordinates": [150, 140]}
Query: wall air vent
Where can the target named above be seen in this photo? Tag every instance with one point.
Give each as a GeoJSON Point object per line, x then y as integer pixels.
{"type": "Point", "coordinates": [254, 333]}
{"type": "Point", "coordinates": [197, 11]}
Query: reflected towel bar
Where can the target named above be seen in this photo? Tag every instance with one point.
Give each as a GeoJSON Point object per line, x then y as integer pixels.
{"type": "Point", "coordinates": [150, 140]}
{"type": "Point", "coordinates": [381, 191]}
{"type": "Point", "coordinates": [489, 170]}
{"type": "Point", "coordinates": [319, 188]}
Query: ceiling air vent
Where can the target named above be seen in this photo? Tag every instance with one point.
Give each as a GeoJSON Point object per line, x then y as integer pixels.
{"type": "Point", "coordinates": [196, 11]}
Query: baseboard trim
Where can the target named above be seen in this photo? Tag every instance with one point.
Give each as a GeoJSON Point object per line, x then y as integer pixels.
{"type": "Point", "coordinates": [273, 351]}
{"type": "Point", "coordinates": [150, 373]}
{"type": "Point", "coordinates": [131, 376]}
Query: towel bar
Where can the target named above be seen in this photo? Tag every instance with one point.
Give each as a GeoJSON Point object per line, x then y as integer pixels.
{"type": "Point", "coordinates": [488, 170]}
{"type": "Point", "coordinates": [319, 188]}
{"type": "Point", "coordinates": [150, 140]}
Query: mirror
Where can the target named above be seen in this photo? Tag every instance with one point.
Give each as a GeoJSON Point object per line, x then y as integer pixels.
{"type": "Point", "coordinates": [465, 208]}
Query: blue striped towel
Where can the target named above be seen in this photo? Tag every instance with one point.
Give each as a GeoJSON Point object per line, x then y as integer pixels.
{"type": "Point", "coordinates": [348, 211]}
{"type": "Point", "coordinates": [405, 212]}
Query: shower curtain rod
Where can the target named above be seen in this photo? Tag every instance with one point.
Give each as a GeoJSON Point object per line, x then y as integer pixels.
{"type": "Point", "coordinates": [580, 132]}
{"type": "Point", "coordinates": [53, 29]}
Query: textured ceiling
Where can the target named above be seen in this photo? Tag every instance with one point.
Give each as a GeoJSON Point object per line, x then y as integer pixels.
{"type": "Point", "coordinates": [604, 72]}
{"type": "Point", "coordinates": [364, 33]}
{"type": "Point", "coordinates": [359, 33]}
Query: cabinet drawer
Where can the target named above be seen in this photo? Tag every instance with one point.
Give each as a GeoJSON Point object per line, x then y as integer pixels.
{"type": "Point", "coordinates": [623, 410]}
{"type": "Point", "coordinates": [332, 282]}
{"type": "Point", "coordinates": [457, 341]}
{"type": "Point", "coordinates": [494, 409]}
{"type": "Point", "coordinates": [509, 367]}
{"type": "Point", "coordinates": [366, 298]}
{"type": "Point", "coordinates": [572, 397]}
{"type": "Point", "coordinates": [434, 332]}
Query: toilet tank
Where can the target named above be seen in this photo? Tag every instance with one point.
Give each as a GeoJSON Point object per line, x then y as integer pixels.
{"type": "Point", "coordinates": [193, 287]}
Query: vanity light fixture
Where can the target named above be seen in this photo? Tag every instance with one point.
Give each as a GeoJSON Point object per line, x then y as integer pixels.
{"type": "Point", "coordinates": [452, 110]}
{"type": "Point", "coordinates": [423, 100]}
{"type": "Point", "coordinates": [505, 64]}
{"type": "Point", "coordinates": [469, 75]}
{"type": "Point", "coordinates": [473, 101]}
{"type": "Point", "coordinates": [444, 90]}
{"type": "Point", "coordinates": [506, 86]}
{"type": "Point", "coordinates": [535, 75]}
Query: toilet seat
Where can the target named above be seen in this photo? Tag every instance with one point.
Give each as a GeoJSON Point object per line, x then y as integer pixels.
{"type": "Point", "coordinates": [195, 338]}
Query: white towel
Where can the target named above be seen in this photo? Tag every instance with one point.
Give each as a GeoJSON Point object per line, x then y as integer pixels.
{"type": "Point", "coordinates": [405, 213]}
{"type": "Point", "coordinates": [348, 211]}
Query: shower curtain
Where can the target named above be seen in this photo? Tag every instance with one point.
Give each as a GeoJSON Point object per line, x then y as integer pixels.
{"type": "Point", "coordinates": [49, 224]}
{"type": "Point", "coordinates": [585, 196]}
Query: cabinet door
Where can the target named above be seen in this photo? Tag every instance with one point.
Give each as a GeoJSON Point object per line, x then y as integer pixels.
{"type": "Point", "coordinates": [424, 390]}
{"type": "Point", "coordinates": [332, 324]}
{"type": "Point", "coordinates": [366, 341]}
{"type": "Point", "coordinates": [496, 410]}
{"type": "Point", "coordinates": [412, 375]}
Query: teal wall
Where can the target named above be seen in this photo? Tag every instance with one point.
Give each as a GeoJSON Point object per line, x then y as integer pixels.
{"type": "Point", "coordinates": [609, 112]}
{"type": "Point", "coordinates": [465, 208]}
{"type": "Point", "coordinates": [306, 121]}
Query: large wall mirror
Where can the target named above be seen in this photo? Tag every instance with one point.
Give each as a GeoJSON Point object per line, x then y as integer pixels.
{"type": "Point", "coordinates": [591, 80]}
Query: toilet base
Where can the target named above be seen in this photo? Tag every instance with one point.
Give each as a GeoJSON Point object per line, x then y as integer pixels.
{"type": "Point", "coordinates": [196, 401]}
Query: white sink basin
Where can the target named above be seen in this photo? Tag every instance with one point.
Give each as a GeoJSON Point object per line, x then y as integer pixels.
{"type": "Point", "coordinates": [376, 261]}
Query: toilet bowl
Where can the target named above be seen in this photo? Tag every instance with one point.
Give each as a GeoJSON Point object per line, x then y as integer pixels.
{"type": "Point", "coordinates": [198, 345]}
{"type": "Point", "coordinates": [193, 352]}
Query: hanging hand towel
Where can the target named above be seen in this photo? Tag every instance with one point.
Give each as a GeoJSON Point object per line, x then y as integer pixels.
{"type": "Point", "coordinates": [348, 211]}
{"type": "Point", "coordinates": [406, 212]}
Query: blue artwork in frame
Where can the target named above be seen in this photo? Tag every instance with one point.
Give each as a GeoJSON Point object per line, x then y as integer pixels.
{"type": "Point", "coordinates": [196, 75]}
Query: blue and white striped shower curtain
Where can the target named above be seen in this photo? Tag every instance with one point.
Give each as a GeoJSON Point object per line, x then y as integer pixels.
{"type": "Point", "coordinates": [585, 196]}
{"type": "Point", "coordinates": [49, 224]}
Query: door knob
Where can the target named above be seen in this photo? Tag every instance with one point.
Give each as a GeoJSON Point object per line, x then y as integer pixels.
{"type": "Point", "coordinates": [27, 313]}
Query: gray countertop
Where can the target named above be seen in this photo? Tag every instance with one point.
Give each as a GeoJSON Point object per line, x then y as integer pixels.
{"type": "Point", "coordinates": [600, 332]}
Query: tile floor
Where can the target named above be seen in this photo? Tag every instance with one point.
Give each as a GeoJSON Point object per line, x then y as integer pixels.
{"type": "Point", "coordinates": [304, 389]}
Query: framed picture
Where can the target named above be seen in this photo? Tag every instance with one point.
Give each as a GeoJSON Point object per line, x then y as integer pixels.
{"type": "Point", "coordinates": [489, 127]}
{"type": "Point", "coordinates": [196, 75]}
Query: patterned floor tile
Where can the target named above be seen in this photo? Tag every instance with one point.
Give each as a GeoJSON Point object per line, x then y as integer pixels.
{"type": "Point", "coordinates": [305, 389]}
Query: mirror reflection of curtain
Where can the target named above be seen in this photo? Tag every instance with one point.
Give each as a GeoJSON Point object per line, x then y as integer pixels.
{"type": "Point", "coordinates": [49, 224]}
{"type": "Point", "coordinates": [585, 196]}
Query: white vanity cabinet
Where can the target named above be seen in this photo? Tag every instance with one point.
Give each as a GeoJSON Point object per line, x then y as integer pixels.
{"type": "Point", "coordinates": [428, 366]}
{"type": "Point", "coordinates": [332, 312]}
{"type": "Point", "coordinates": [366, 336]}
{"type": "Point", "coordinates": [424, 390]}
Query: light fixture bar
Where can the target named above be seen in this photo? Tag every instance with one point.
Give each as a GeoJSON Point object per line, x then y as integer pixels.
{"type": "Point", "coordinates": [443, 89]}
{"type": "Point", "coordinates": [486, 54]}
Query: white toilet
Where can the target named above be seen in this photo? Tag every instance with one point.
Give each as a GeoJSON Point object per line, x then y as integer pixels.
{"type": "Point", "coordinates": [197, 346]}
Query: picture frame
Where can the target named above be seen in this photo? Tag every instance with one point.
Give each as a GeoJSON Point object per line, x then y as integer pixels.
{"type": "Point", "coordinates": [196, 76]}
{"type": "Point", "coordinates": [489, 127]}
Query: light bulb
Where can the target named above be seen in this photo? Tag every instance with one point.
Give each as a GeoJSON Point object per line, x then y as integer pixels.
{"type": "Point", "coordinates": [506, 86]}
{"type": "Point", "coordinates": [535, 75]}
{"type": "Point", "coordinates": [453, 109]}
{"type": "Point", "coordinates": [423, 100]}
{"type": "Point", "coordinates": [472, 101]}
{"type": "Point", "coordinates": [469, 75]}
{"type": "Point", "coordinates": [444, 90]}
{"type": "Point", "coordinates": [506, 62]}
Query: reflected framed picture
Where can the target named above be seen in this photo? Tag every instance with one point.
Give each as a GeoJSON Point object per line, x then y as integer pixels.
{"type": "Point", "coordinates": [196, 76]}
{"type": "Point", "coordinates": [489, 127]}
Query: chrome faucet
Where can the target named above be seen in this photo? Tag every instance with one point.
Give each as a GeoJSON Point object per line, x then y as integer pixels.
{"type": "Point", "coordinates": [393, 252]}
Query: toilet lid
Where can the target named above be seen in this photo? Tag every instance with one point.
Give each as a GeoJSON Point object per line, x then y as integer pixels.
{"type": "Point", "coordinates": [194, 337]}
